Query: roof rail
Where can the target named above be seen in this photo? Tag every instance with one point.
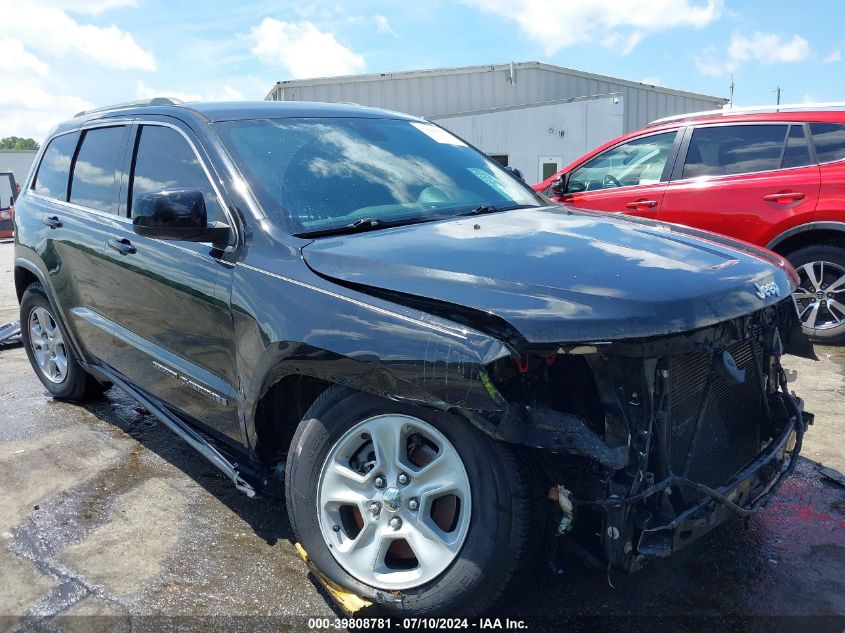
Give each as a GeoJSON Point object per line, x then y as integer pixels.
{"type": "Point", "coordinates": [783, 107]}
{"type": "Point", "coordinates": [155, 101]}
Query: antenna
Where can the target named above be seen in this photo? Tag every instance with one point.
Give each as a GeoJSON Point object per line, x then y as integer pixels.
{"type": "Point", "coordinates": [777, 93]}
{"type": "Point", "coordinates": [731, 100]}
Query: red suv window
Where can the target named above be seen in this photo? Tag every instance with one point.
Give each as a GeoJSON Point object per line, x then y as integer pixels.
{"type": "Point", "coordinates": [829, 141]}
{"type": "Point", "coordinates": [734, 149]}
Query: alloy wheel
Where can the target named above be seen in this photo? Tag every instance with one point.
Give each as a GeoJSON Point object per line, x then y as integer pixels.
{"type": "Point", "coordinates": [48, 345]}
{"type": "Point", "coordinates": [394, 502]}
{"type": "Point", "coordinates": [820, 298]}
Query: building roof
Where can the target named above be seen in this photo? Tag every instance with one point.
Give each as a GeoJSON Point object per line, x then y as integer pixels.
{"type": "Point", "coordinates": [463, 70]}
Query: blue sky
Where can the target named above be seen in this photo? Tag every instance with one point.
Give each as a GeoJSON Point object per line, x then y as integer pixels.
{"type": "Point", "coordinates": [60, 56]}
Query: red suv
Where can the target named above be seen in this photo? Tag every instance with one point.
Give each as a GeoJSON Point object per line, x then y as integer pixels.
{"type": "Point", "coordinates": [773, 178]}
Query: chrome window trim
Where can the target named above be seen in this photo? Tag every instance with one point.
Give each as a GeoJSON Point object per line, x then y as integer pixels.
{"type": "Point", "coordinates": [832, 162]}
{"type": "Point", "coordinates": [744, 173]}
{"type": "Point", "coordinates": [76, 207]}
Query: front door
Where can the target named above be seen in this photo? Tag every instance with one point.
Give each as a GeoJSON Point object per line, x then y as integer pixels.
{"type": "Point", "coordinates": [170, 299]}
{"type": "Point", "coordinates": [627, 178]}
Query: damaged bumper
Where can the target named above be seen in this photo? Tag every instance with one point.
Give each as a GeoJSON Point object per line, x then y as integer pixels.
{"type": "Point", "coordinates": [648, 445]}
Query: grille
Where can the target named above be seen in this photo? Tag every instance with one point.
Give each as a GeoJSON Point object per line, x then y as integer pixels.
{"type": "Point", "coordinates": [729, 437]}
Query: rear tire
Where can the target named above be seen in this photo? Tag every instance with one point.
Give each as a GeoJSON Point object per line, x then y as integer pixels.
{"type": "Point", "coordinates": [502, 522]}
{"type": "Point", "coordinates": [821, 296]}
{"type": "Point", "coordinates": [50, 353]}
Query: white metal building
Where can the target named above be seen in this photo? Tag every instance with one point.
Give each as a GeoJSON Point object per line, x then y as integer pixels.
{"type": "Point", "coordinates": [529, 115]}
{"type": "Point", "coordinates": [17, 161]}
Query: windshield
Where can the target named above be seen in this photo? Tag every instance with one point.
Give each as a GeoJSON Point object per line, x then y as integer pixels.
{"type": "Point", "coordinates": [315, 175]}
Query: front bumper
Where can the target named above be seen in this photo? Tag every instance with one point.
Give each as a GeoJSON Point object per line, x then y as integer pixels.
{"type": "Point", "coordinates": [744, 494]}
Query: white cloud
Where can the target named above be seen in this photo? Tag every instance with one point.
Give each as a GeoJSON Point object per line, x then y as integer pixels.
{"type": "Point", "coordinates": [53, 32]}
{"type": "Point", "coordinates": [383, 26]}
{"type": "Point", "coordinates": [764, 48]}
{"type": "Point", "coordinates": [34, 99]}
{"type": "Point", "coordinates": [833, 56]}
{"type": "Point", "coordinates": [768, 48]}
{"type": "Point", "coordinates": [30, 110]}
{"type": "Point", "coordinates": [622, 43]}
{"type": "Point", "coordinates": [557, 24]}
{"type": "Point", "coordinates": [652, 80]}
{"type": "Point", "coordinates": [303, 50]}
{"type": "Point", "coordinates": [91, 7]}
{"type": "Point", "coordinates": [226, 93]}
{"type": "Point", "coordinates": [14, 57]}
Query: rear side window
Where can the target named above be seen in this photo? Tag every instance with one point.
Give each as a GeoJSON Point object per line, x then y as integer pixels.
{"type": "Point", "coordinates": [95, 168]}
{"type": "Point", "coordinates": [164, 160]}
{"type": "Point", "coordinates": [797, 152]}
{"type": "Point", "coordinates": [54, 170]}
{"type": "Point", "coordinates": [829, 141]}
{"type": "Point", "coordinates": [734, 149]}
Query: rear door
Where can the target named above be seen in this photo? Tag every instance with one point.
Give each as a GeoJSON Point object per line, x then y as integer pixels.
{"type": "Point", "coordinates": [628, 178]}
{"type": "Point", "coordinates": [751, 181]}
{"type": "Point", "coordinates": [169, 300]}
{"type": "Point", "coordinates": [75, 187]}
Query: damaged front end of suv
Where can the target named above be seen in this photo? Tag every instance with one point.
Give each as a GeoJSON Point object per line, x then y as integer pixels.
{"type": "Point", "coordinates": [652, 443]}
{"type": "Point", "coordinates": [658, 408]}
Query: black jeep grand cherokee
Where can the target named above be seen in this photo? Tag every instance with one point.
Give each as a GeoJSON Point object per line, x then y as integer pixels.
{"type": "Point", "coordinates": [452, 368]}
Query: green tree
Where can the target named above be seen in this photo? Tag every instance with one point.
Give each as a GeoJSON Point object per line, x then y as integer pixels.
{"type": "Point", "coordinates": [16, 142]}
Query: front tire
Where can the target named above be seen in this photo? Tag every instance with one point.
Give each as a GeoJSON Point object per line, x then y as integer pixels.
{"type": "Point", "coordinates": [446, 541]}
{"type": "Point", "coordinates": [49, 352]}
{"type": "Point", "coordinates": [821, 296]}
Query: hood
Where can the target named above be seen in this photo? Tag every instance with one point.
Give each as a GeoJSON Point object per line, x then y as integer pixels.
{"type": "Point", "coordinates": [560, 275]}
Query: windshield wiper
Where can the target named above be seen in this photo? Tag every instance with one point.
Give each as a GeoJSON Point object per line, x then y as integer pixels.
{"type": "Point", "coordinates": [360, 225]}
{"type": "Point", "coordinates": [489, 208]}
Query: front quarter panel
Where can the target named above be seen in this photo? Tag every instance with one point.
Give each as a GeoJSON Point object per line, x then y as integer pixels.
{"type": "Point", "coordinates": [290, 321]}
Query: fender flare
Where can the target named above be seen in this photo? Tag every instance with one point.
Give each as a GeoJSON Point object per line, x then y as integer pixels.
{"type": "Point", "coordinates": [839, 227]}
{"type": "Point", "coordinates": [29, 266]}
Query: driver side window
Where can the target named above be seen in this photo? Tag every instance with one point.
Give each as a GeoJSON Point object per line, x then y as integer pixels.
{"type": "Point", "coordinates": [639, 161]}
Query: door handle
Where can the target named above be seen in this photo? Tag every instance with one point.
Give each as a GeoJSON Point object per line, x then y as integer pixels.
{"type": "Point", "coordinates": [784, 196]}
{"type": "Point", "coordinates": [53, 222]}
{"type": "Point", "coordinates": [124, 246]}
{"type": "Point", "coordinates": [641, 204]}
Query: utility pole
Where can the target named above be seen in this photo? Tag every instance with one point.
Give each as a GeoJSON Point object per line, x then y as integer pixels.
{"type": "Point", "coordinates": [777, 92]}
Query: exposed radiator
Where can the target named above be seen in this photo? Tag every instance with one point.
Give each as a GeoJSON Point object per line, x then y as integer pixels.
{"type": "Point", "coordinates": [729, 436]}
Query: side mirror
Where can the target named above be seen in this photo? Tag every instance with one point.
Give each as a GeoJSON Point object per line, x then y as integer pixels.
{"type": "Point", "coordinates": [516, 172]}
{"type": "Point", "coordinates": [175, 214]}
{"type": "Point", "coordinates": [559, 186]}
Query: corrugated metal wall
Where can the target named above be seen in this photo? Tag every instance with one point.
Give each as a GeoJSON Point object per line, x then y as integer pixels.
{"type": "Point", "coordinates": [437, 93]}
